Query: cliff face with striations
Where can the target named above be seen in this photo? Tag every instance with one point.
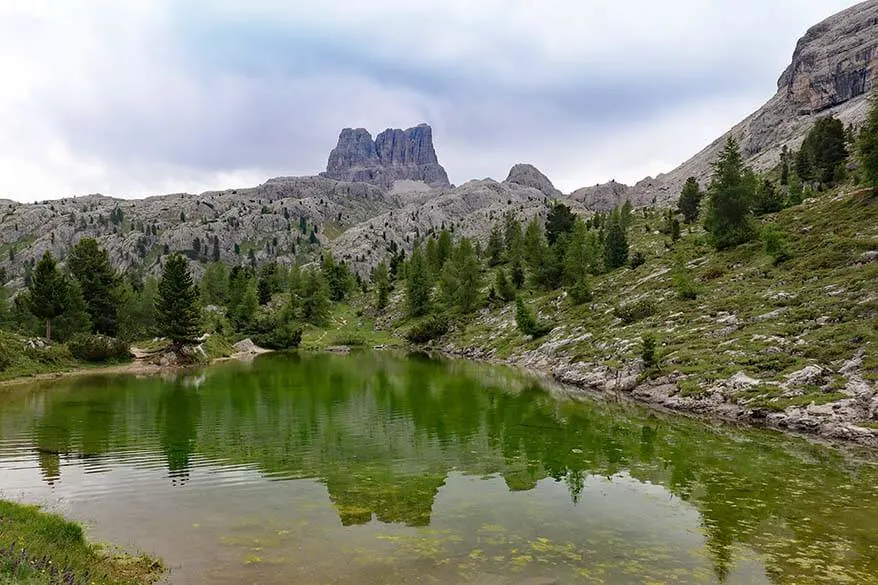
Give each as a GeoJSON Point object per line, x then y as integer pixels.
{"type": "Point", "coordinates": [394, 155]}
{"type": "Point", "coordinates": [833, 70]}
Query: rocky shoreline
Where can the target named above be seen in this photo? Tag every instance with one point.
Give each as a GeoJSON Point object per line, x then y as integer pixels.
{"type": "Point", "coordinates": [838, 421]}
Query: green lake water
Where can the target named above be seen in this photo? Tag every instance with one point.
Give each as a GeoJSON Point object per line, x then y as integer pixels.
{"type": "Point", "coordinates": [379, 468]}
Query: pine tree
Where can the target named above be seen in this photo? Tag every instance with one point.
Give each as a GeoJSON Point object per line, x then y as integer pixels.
{"type": "Point", "coordinates": [867, 146]}
{"type": "Point", "coordinates": [419, 285]}
{"type": "Point", "coordinates": [315, 302]}
{"type": "Point", "coordinates": [615, 244]}
{"type": "Point", "coordinates": [177, 307]}
{"type": "Point", "coordinates": [90, 266]}
{"type": "Point", "coordinates": [495, 246]}
{"type": "Point", "coordinates": [381, 282]}
{"type": "Point", "coordinates": [690, 200]}
{"type": "Point", "coordinates": [728, 219]}
{"type": "Point", "coordinates": [823, 151]}
{"type": "Point", "coordinates": [48, 292]}
{"type": "Point", "coordinates": [559, 221]}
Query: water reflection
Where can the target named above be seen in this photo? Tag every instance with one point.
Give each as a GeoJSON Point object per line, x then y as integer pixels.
{"type": "Point", "coordinates": [384, 435]}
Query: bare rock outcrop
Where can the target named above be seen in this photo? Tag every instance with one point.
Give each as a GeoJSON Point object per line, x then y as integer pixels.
{"type": "Point", "coordinates": [529, 176]}
{"type": "Point", "coordinates": [394, 155]}
{"type": "Point", "coordinates": [833, 70]}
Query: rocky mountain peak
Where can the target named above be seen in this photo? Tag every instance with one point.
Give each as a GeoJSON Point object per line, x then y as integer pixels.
{"type": "Point", "coordinates": [528, 175]}
{"type": "Point", "coordinates": [394, 155]}
{"type": "Point", "coordinates": [835, 61]}
{"type": "Point", "coordinates": [832, 72]}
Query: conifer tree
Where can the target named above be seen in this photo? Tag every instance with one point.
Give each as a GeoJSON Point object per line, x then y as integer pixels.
{"type": "Point", "coordinates": [504, 289]}
{"type": "Point", "coordinates": [559, 221]}
{"type": "Point", "coordinates": [461, 278]}
{"type": "Point", "coordinates": [615, 243]}
{"type": "Point", "coordinates": [580, 259]}
{"type": "Point", "coordinates": [263, 291]}
{"type": "Point", "coordinates": [495, 246]}
{"type": "Point", "coordinates": [512, 237]}
{"type": "Point", "coordinates": [381, 282]}
{"type": "Point", "coordinates": [768, 198]}
{"type": "Point", "coordinates": [728, 219]}
{"type": "Point", "coordinates": [214, 284]}
{"type": "Point", "coordinates": [90, 265]}
{"type": "Point", "coordinates": [315, 298]}
{"type": "Point", "coordinates": [419, 284]}
{"type": "Point", "coordinates": [74, 319]}
{"type": "Point", "coordinates": [48, 292]}
{"type": "Point", "coordinates": [690, 200]}
{"type": "Point", "coordinates": [444, 248]}
{"type": "Point", "coordinates": [867, 146]}
{"type": "Point", "coordinates": [337, 276]}
{"type": "Point", "coordinates": [177, 306]}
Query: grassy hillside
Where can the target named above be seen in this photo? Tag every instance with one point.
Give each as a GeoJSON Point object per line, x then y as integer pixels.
{"type": "Point", "coordinates": [751, 315]}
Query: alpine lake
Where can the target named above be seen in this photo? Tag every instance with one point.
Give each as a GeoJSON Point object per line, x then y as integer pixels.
{"type": "Point", "coordinates": [376, 468]}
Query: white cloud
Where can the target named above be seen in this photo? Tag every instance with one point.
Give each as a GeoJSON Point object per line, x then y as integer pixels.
{"type": "Point", "coordinates": [144, 96]}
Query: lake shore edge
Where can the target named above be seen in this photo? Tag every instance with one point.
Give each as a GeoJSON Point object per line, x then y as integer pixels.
{"type": "Point", "coordinates": [661, 393]}
{"type": "Point", "coordinates": [37, 546]}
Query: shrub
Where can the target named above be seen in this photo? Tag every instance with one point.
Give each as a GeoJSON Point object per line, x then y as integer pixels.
{"type": "Point", "coordinates": [97, 348]}
{"type": "Point", "coordinates": [527, 322]}
{"type": "Point", "coordinates": [632, 312]}
{"type": "Point", "coordinates": [284, 336]}
{"type": "Point", "coordinates": [774, 243]}
{"type": "Point", "coordinates": [647, 351]}
{"type": "Point", "coordinates": [579, 292]}
{"type": "Point", "coordinates": [428, 329]}
{"type": "Point", "coordinates": [637, 259]}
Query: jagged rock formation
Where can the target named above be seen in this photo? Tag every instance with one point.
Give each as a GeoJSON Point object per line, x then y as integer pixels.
{"type": "Point", "coordinates": [833, 70]}
{"type": "Point", "coordinates": [529, 176]}
{"type": "Point", "coordinates": [393, 156]}
{"type": "Point", "coordinates": [470, 210]}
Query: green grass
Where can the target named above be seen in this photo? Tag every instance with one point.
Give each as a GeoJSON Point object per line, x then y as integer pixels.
{"type": "Point", "coordinates": [348, 326]}
{"type": "Point", "coordinates": [17, 360]}
{"type": "Point", "coordinates": [217, 346]}
{"type": "Point", "coordinates": [56, 550]}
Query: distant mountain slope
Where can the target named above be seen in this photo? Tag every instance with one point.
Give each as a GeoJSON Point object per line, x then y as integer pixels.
{"type": "Point", "coordinates": [470, 210]}
{"type": "Point", "coordinates": [833, 69]}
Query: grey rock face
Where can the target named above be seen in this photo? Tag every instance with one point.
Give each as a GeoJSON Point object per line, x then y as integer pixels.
{"type": "Point", "coordinates": [394, 155]}
{"type": "Point", "coordinates": [833, 70]}
{"type": "Point", "coordinates": [529, 176]}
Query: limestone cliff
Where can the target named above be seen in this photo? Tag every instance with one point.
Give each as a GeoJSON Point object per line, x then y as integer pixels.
{"type": "Point", "coordinates": [394, 155]}
{"type": "Point", "coordinates": [833, 70]}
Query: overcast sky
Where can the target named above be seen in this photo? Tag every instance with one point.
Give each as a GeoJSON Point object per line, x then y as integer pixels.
{"type": "Point", "coordinates": [138, 97]}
